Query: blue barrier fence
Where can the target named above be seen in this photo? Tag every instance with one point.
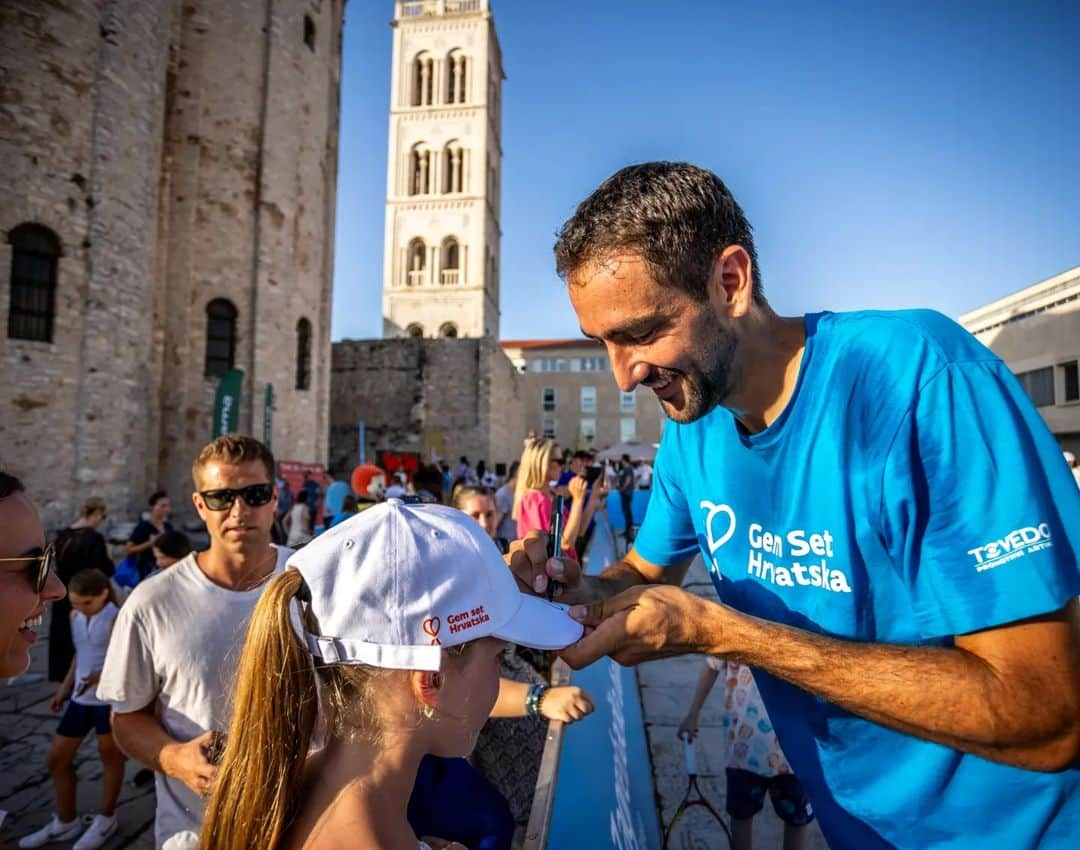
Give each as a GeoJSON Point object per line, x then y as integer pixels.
{"type": "Point", "coordinates": [637, 509]}
{"type": "Point", "coordinates": [598, 770]}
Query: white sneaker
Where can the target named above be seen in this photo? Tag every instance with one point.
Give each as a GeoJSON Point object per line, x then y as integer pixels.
{"type": "Point", "coordinates": [99, 831]}
{"type": "Point", "coordinates": [54, 830]}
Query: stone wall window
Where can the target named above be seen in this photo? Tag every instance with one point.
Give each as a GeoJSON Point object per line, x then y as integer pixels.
{"type": "Point", "coordinates": [450, 273]}
{"type": "Point", "coordinates": [453, 168]}
{"type": "Point", "coordinates": [419, 170]}
{"type": "Point", "coordinates": [220, 337]}
{"type": "Point", "coordinates": [303, 355]}
{"type": "Point", "coordinates": [547, 399]}
{"type": "Point", "coordinates": [456, 73]}
{"type": "Point", "coordinates": [423, 73]}
{"type": "Point", "coordinates": [416, 259]}
{"type": "Point", "coordinates": [415, 330]}
{"type": "Point", "coordinates": [448, 330]}
{"type": "Point", "coordinates": [309, 32]}
{"type": "Point", "coordinates": [34, 254]}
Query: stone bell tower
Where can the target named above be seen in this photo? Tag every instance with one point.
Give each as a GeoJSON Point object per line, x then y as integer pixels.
{"type": "Point", "coordinates": [441, 255]}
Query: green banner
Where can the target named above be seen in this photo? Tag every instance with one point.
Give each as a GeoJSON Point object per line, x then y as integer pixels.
{"type": "Point", "coordinates": [268, 415]}
{"type": "Point", "coordinates": [227, 403]}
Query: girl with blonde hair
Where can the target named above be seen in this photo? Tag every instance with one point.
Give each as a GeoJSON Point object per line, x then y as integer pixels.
{"type": "Point", "coordinates": [381, 638]}
{"type": "Point", "coordinates": [542, 462]}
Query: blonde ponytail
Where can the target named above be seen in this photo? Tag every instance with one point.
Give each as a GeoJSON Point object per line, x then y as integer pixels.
{"type": "Point", "coordinates": [258, 788]}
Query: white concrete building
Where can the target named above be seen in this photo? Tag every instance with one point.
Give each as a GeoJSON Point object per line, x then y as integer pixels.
{"type": "Point", "coordinates": [441, 256]}
{"type": "Point", "coordinates": [1036, 331]}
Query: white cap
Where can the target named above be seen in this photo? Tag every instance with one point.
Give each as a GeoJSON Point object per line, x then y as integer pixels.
{"type": "Point", "coordinates": [393, 584]}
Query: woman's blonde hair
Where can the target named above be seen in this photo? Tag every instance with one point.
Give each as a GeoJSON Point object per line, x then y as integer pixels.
{"type": "Point", "coordinates": [533, 470]}
{"type": "Point", "coordinates": [258, 790]}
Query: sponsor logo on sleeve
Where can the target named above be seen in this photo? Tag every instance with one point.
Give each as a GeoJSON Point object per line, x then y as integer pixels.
{"type": "Point", "coordinates": [1014, 545]}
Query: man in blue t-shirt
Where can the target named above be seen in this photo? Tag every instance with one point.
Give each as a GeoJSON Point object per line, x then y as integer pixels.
{"type": "Point", "coordinates": [888, 522]}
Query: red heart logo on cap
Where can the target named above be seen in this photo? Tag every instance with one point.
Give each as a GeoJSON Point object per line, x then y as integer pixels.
{"type": "Point", "coordinates": [432, 625]}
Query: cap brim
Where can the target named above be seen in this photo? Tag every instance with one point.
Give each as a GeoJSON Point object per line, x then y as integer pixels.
{"type": "Point", "coordinates": [540, 624]}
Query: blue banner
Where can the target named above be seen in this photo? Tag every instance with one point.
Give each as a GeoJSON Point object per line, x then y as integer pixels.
{"type": "Point", "coordinates": [604, 789]}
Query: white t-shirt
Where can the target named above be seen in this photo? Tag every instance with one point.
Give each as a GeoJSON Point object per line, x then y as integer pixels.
{"type": "Point", "coordinates": [504, 504]}
{"type": "Point", "coordinates": [90, 637]}
{"type": "Point", "coordinates": [178, 638]}
{"type": "Point", "coordinates": [299, 524]}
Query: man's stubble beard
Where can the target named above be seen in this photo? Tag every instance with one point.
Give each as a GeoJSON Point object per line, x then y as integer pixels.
{"type": "Point", "coordinates": [709, 379]}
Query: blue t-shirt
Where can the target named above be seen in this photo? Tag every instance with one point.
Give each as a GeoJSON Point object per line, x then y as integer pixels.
{"type": "Point", "coordinates": [909, 492]}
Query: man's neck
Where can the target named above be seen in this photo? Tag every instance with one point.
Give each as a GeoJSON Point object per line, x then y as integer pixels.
{"type": "Point", "coordinates": [771, 355]}
{"type": "Point", "coordinates": [237, 570]}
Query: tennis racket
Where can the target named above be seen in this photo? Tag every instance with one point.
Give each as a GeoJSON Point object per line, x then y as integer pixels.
{"type": "Point", "coordinates": [690, 802]}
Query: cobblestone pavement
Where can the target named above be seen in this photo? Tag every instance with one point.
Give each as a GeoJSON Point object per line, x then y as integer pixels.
{"type": "Point", "coordinates": [26, 729]}
{"type": "Point", "coordinates": [666, 690]}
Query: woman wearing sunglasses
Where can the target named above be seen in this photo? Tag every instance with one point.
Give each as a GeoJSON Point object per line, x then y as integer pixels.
{"type": "Point", "coordinates": [27, 580]}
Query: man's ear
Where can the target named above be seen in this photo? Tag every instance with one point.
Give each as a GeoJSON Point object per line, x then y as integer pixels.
{"type": "Point", "coordinates": [731, 283]}
{"type": "Point", "coordinates": [426, 687]}
{"type": "Point", "coordinates": [200, 508]}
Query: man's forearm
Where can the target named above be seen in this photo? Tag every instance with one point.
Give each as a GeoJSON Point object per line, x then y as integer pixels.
{"type": "Point", "coordinates": [943, 694]}
{"type": "Point", "coordinates": [140, 736]}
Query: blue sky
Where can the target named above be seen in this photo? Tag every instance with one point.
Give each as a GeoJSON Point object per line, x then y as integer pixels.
{"type": "Point", "coordinates": [888, 154]}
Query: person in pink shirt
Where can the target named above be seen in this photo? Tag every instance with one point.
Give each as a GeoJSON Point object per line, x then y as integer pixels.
{"type": "Point", "coordinates": [541, 464]}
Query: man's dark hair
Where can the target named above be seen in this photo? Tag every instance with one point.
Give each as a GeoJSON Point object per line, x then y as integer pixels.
{"type": "Point", "coordinates": [175, 544]}
{"type": "Point", "coordinates": [581, 454]}
{"type": "Point", "coordinates": [428, 478]}
{"type": "Point", "coordinates": [156, 497]}
{"type": "Point", "coordinates": [677, 216]}
{"type": "Point", "coordinates": [625, 458]}
{"type": "Point", "coordinates": [9, 485]}
{"type": "Point", "coordinates": [88, 582]}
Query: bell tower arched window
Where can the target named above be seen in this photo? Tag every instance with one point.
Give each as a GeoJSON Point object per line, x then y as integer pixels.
{"type": "Point", "coordinates": [450, 273]}
{"type": "Point", "coordinates": [416, 262]}
{"type": "Point", "coordinates": [448, 330]}
{"type": "Point", "coordinates": [456, 76]}
{"type": "Point", "coordinates": [32, 307]}
{"type": "Point", "coordinates": [423, 73]}
{"type": "Point", "coordinates": [419, 170]}
{"type": "Point", "coordinates": [303, 355]}
{"type": "Point", "coordinates": [453, 168]}
{"type": "Point", "coordinates": [220, 337]}
{"type": "Point", "coordinates": [415, 330]}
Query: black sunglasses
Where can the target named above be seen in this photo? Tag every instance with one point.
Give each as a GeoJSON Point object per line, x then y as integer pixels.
{"type": "Point", "coordinates": [254, 496]}
{"type": "Point", "coordinates": [42, 562]}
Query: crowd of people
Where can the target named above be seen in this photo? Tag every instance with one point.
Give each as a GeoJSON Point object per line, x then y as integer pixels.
{"type": "Point", "coordinates": [131, 668]}
{"type": "Point", "coordinates": [891, 529]}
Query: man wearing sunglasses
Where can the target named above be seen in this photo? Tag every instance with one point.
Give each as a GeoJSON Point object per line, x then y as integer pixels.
{"type": "Point", "coordinates": [177, 639]}
{"type": "Point", "coordinates": [27, 580]}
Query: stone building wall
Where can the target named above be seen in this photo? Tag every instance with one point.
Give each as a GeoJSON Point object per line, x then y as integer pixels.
{"type": "Point", "coordinates": [251, 175]}
{"type": "Point", "coordinates": [181, 152]}
{"type": "Point", "coordinates": [451, 396]}
{"type": "Point", "coordinates": [80, 140]}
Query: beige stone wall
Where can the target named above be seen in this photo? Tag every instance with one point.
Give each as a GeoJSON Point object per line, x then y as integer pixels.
{"type": "Point", "coordinates": [456, 397]}
{"type": "Point", "coordinates": [181, 152]}
{"type": "Point", "coordinates": [646, 413]}
{"type": "Point", "coordinates": [80, 142]}
{"type": "Point", "coordinates": [251, 177]}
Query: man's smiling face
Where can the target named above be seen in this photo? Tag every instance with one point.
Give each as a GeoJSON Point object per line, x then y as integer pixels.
{"type": "Point", "coordinates": [656, 336]}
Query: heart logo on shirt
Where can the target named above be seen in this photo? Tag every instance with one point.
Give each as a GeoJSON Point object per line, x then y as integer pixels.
{"type": "Point", "coordinates": [711, 525]}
